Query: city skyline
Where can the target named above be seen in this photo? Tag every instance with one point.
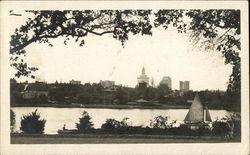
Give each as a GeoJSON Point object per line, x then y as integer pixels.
{"type": "Point", "coordinates": [156, 83]}
{"type": "Point", "coordinates": [106, 82]}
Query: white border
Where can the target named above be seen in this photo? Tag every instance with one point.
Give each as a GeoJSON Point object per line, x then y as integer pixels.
{"type": "Point", "coordinates": [211, 148]}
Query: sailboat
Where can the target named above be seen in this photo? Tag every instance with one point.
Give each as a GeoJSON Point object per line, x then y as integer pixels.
{"type": "Point", "coordinates": [198, 114]}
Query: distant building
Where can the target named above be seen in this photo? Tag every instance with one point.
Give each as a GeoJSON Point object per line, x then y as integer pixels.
{"type": "Point", "coordinates": [167, 81]}
{"type": "Point", "coordinates": [33, 90]}
{"type": "Point", "coordinates": [184, 86]}
{"type": "Point", "coordinates": [107, 83]}
{"type": "Point", "coordinates": [74, 82]}
{"type": "Point", "coordinates": [143, 77]}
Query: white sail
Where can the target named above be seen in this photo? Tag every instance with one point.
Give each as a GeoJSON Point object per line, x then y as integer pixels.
{"type": "Point", "coordinates": [207, 116]}
{"type": "Point", "coordinates": [196, 113]}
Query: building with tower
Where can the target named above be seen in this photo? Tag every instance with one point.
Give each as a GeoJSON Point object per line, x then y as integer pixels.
{"type": "Point", "coordinates": [167, 81]}
{"type": "Point", "coordinates": [143, 78]}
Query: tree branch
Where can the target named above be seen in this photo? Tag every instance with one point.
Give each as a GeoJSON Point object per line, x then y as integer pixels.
{"type": "Point", "coordinates": [13, 50]}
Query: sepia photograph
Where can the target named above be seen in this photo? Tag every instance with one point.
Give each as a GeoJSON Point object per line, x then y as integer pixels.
{"type": "Point", "coordinates": [122, 75]}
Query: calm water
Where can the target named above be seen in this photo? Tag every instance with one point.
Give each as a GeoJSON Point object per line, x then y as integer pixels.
{"type": "Point", "coordinates": [57, 117]}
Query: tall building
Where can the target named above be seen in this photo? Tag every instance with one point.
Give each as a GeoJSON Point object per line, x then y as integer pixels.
{"type": "Point", "coordinates": [74, 82]}
{"type": "Point", "coordinates": [143, 78]}
{"type": "Point", "coordinates": [167, 81]}
{"type": "Point", "coordinates": [184, 86]}
{"type": "Point", "coordinates": [107, 83]}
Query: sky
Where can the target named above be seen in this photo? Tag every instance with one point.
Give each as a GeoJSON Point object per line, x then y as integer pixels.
{"type": "Point", "coordinates": [165, 53]}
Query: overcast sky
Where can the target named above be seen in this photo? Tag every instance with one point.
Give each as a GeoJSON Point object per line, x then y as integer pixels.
{"type": "Point", "coordinates": [166, 53]}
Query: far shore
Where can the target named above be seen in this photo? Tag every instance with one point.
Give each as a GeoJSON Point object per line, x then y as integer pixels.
{"type": "Point", "coordinates": [115, 106]}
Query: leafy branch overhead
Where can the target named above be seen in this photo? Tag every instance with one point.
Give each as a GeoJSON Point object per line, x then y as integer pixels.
{"type": "Point", "coordinates": [217, 30]}
{"type": "Point", "coordinates": [209, 29]}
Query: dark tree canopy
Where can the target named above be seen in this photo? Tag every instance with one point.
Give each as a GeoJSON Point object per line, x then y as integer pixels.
{"type": "Point", "coordinates": [32, 123]}
{"type": "Point", "coordinates": [77, 25]}
{"type": "Point", "coordinates": [85, 123]}
{"type": "Point", "coordinates": [217, 30]}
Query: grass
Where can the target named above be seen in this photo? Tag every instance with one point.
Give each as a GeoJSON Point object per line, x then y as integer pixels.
{"type": "Point", "coordinates": [113, 139]}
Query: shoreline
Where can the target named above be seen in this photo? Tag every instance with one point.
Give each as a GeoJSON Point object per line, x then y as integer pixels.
{"type": "Point", "coordinates": [112, 106]}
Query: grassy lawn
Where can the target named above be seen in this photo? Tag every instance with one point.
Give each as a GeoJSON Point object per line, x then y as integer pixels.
{"type": "Point", "coordinates": [114, 139]}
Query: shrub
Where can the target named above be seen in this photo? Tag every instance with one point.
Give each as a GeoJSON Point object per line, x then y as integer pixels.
{"type": "Point", "coordinates": [160, 122]}
{"type": "Point", "coordinates": [203, 131]}
{"type": "Point", "coordinates": [124, 123]}
{"type": "Point", "coordinates": [112, 124]}
{"type": "Point", "coordinates": [221, 128]}
{"type": "Point", "coordinates": [183, 129]}
{"type": "Point", "coordinates": [32, 123]}
{"type": "Point", "coordinates": [237, 128]}
{"type": "Point", "coordinates": [228, 126]}
{"type": "Point", "coordinates": [85, 123]}
{"type": "Point", "coordinates": [12, 120]}
{"type": "Point", "coordinates": [234, 120]}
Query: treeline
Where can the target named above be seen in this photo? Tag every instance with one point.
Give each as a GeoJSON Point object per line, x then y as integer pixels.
{"type": "Point", "coordinates": [64, 93]}
{"type": "Point", "coordinates": [160, 125]}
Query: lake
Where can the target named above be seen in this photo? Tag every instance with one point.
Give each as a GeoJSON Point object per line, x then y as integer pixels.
{"type": "Point", "coordinates": [57, 117]}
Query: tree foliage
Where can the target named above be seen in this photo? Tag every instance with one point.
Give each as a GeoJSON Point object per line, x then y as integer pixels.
{"type": "Point", "coordinates": [221, 128]}
{"type": "Point", "coordinates": [12, 120]}
{"type": "Point", "coordinates": [160, 122]}
{"type": "Point", "coordinates": [112, 124]}
{"type": "Point", "coordinates": [74, 24]}
{"type": "Point", "coordinates": [32, 123]}
{"type": "Point", "coordinates": [217, 30]}
{"type": "Point", "coordinates": [64, 93]}
{"type": "Point", "coordinates": [41, 99]}
{"type": "Point", "coordinates": [85, 123]}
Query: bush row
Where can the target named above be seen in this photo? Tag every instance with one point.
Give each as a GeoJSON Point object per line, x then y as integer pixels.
{"type": "Point", "coordinates": [160, 125]}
